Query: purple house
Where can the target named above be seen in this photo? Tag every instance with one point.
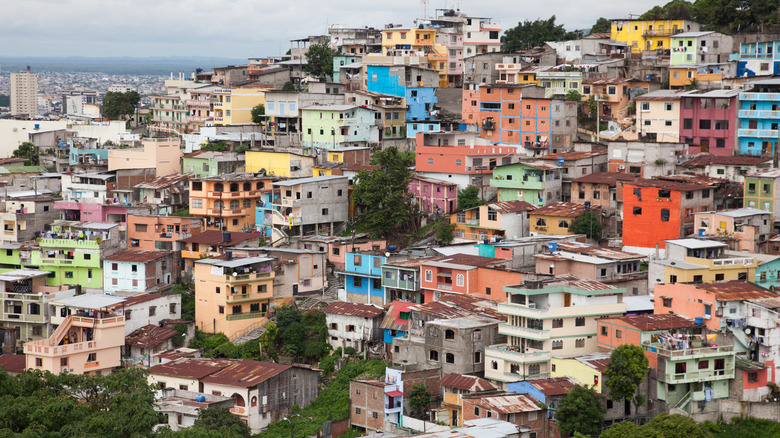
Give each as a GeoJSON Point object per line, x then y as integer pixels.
{"type": "Point", "coordinates": [433, 195]}
{"type": "Point", "coordinates": [708, 121]}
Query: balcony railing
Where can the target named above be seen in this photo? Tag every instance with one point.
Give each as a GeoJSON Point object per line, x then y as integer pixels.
{"type": "Point", "coordinates": [759, 114]}
{"type": "Point", "coordinates": [759, 133]}
{"type": "Point", "coordinates": [700, 376]}
{"type": "Point", "coordinates": [523, 332]}
{"type": "Point", "coordinates": [502, 351]}
{"type": "Point", "coordinates": [759, 96]}
{"type": "Point", "coordinates": [247, 277]}
{"type": "Point", "coordinates": [250, 315]}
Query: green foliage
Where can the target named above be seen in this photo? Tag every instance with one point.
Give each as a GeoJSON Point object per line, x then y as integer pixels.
{"type": "Point", "coordinates": [383, 193]}
{"type": "Point", "coordinates": [332, 401]}
{"type": "Point", "coordinates": [178, 341]}
{"type": "Point", "coordinates": [744, 428]}
{"type": "Point", "coordinates": [42, 404]}
{"type": "Point", "coordinates": [319, 60]}
{"type": "Point", "coordinates": [328, 364]}
{"type": "Point", "coordinates": [27, 151]}
{"type": "Point", "coordinates": [288, 86]}
{"type": "Point", "coordinates": [186, 289]}
{"type": "Point", "coordinates": [588, 223]}
{"type": "Point", "coordinates": [574, 95]}
{"type": "Point", "coordinates": [420, 398]}
{"type": "Point", "coordinates": [529, 34]}
{"type": "Point", "coordinates": [674, 10]}
{"type": "Point", "coordinates": [116, 105]}
{"type": "Point", "coordinates": [304, 336]}
{"type": "Point", "coordinates": [220, 146]}
{"type": "Point", "coordinates": [350, 351]}
{"type": "Point", "coordinates": [580, 410]}
{"type": "Point", "coordinates": [181, 213]}
{"type": "Point", "coordinates": [626, 372]}
{"type": "Point", "coordinates": [662, 426]}
{"type": "Point", "coordinates": [469, 198]}
{"type": "Point", "coordinates": [602, 25]}
{"type": "Point", "coordinates": [268, 341]}
{"type": "Point", "coordinates": [444, 232]}
{"type": "Point", "coordinates": [724, 15]}
{"type": "Point", "coordinates": [257, 113]}
{"type": "Point", "coordinates": [222, 420]}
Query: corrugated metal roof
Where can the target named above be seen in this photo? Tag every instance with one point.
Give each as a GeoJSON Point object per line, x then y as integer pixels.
{"type": "Point", "coordinates": [511, 206]}
{"type": "Point", "coordinates": [162, 182]}
{"type": "Point", "coordinates": [438, 309]}
{"type": "Point", "coordinates": [571, 155]}
{"type": "Point", "coordinates": [597, 251]}
{"type": "Point", "coordinates": [694, 179]}
{"type": "Point", "coordinates": [195, 368]}
{"type": "Point", "coordinates": [609, 178]}
{"type": "Point", "coordinates": [553, 385]}
{"type": "Point", "coordinates": [466, 383]}
{"type": "Point", "coordinates": [137, 256]}
{"type": "Point", "coordinates": [736, 291]}
{"type": "Point", "coordinates": [654, 322]}
{"type": "Point", "coordinates": [246, 373]}
{"type": "Point", "coordinates": [667, 185]}
{"type": "Point", "coordinates": [150, 336]}
{"type": "Point", "coordinates": [354, 309]}
{"type": "Point", "coordinates": [506, 404]}
{"type": "Point", "coordinates": [560, 209]}
{"type": "Point", "coordinates": [213, 237]}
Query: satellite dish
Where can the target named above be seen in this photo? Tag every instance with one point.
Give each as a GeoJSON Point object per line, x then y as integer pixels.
{"type": "Point", "coordinates": [748, 331]}
{"type": "Point", "coordinates": [387, 254]}
{"type": "Point", "coordinates": [235, 274]}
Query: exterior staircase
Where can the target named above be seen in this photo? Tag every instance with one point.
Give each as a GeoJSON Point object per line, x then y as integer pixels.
{"type": "Point", "coordinates": [251, 333]}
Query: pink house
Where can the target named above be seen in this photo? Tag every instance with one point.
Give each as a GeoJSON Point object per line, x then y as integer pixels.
{"type": "Point", "coordinates": [708, 121]}
{"type": "Point", "coordinates": [433, 195]}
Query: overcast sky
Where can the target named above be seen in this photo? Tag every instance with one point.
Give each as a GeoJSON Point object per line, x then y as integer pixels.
{"type": "Point", "coordinates": [243, 28]}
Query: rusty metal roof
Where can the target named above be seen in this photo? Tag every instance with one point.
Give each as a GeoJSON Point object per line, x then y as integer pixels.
{"type": "Point", "coordinates": [511, 206]}
{"type": "Point", "coordinates": [214, 237]}
{"type": "Point", "coordinates": [694, 179]}
{"type": "Point", "coordinates": [136, 299]}
{"type": "Point", "coordinates": [736, 291]}
{"type": "Point", "coordinates": [598, 361]}
{"type": "Point", "coordinates": [507, 403]}
{"type": "Point", "coordinates": [663, 184]}
{"type": "Point", "coordinates": [150, 336]}
{"type": "Point", "coordinates": [245, 373]}
{"type": "Point", "coordinates": [553, 385]}
{"type": "Point", "coordinates": [609, 178]}
{"type": "Point", "coordinates": [597, 251]}
{"type": "Point", "coordinates": [354, 309]}
{"type": "Point", "coordinates": [578, 282]}
{"type": "Point", "coordinates": [392, 319]}
{"type": "Point", "coordinates": [725, 160]}
{"type": "Point", "coordinates": [466, 260]}
{"type": "Point", "coordinates": [377, 383]}
{"type": "Point", "coordinates": [773, 303]}
{"type": "Point", "coordinates": [560, 209]}
{"type": "Point", "coordinates": [162, 182]}
{"type": "Point", "coordinates": [466, 383]}
{"type": "Point", "coordinates": [440, 310]}
{"type": "Point", "coordinates": [195, 368]}
{"type": "Point", "coordinates": [137, 256]}
{"type": "Point", "coordinates": [571, 155]}
{"type": "Point", "coordinates": [654, 322]}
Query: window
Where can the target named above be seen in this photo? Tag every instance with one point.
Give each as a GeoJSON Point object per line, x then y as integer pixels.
{"type": "Point", "coordinates": [619, 334]}
{"type": "Point", "coordinates": [637, 210]}
{"type": "Point", "coordinates": [698, 279]}
{"type": "Point", "coordinates": [222, 309]}
{"type": "Point", "coordinates": [557, 323]}
{"type": "Point", "coordinates": [459, 280]}
{"type": "Point", "coordinates": [428, 275]}
{"type": "Point", "coordinates": [449, 358]}
{"type": "Point", "coordinates": [705, 124]}
{"type": "Point", "coordinates": [579, 321]}
{"type": "Point", "coordinates": [433, 355]}
{"type": "Point", "coordinates": [114, 266]}
{"type": "Point", "coordinates": [449, 334]}
{"type": "Point", "coordinates": [563, 223]}
{"type": "Point", "coordinates": [579, 343]}
{"type": "Point", "coordinates": [557, 345]}
{"type": "Point", "coordinates": [357, 282]}
{"type": "Point", "coordinates": [604, 330]}
{"type": "Point", "coordinates": [668, 106]}
{"type": "Point", "coordinates": [665, 215]}
{"type": "Point", "coordinates": [753, 377]}
{"type": "Point", "coordinates": [719, 277]}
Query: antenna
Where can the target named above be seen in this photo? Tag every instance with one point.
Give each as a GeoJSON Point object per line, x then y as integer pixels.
{"type": "Point", "coordinates": [424, 4]}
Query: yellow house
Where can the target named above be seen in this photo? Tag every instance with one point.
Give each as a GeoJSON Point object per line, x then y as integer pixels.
{"type": "Point", "coordinates": [555, 218]}
{"type": "Point", "coordinates": [586, 369]}
{"type": "Point", "coordinates": [233, 106]}
{"type": "Point", "coordinates": [282, 164]}
{"type": "Point", "coordinates": [649, 34]}
{"type": "Point", "coordinates": [232, 295]}
{"type": "Point", "coordinates": [684, 75]}
{"type": "Point", "coordinates": [415, 39]}
{"type": "Point", "coordinates": [658, 116]}
{"type": "Point", "coordinates": [702, 261]}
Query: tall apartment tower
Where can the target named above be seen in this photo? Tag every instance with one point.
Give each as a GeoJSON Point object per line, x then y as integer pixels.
{"type": "Point", "coordinates": [24, 93]}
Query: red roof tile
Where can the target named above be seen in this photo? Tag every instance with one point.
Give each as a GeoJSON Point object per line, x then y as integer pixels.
{"type": "Point", "coordinates": [150, 336]}
{"type": "Point", "coordinates": [553, 385]}
{"type": "Point", "coordinates": [13, 363]}
{"type": "Point", "coordinates": [466, 383]}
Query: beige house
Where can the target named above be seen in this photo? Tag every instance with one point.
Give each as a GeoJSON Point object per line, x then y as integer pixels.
{"type": "Point", "coordinates": [162, 154]}
{"type": "Point", "coordinates": [658, 116]}
{"type": "Point", "coordinates": [744, 229]}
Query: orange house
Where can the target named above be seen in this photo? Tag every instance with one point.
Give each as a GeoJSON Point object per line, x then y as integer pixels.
{"type": "Point", "coordinates": [655, 211]}
{"type": "Point", "coordinates": [153, 233]}
{"type": "Point", "coordinates": [636, 329]}
{"type": "Point", "coordinates": [465, 274]}
{"type": "Point", "coordinates": [227, 202]}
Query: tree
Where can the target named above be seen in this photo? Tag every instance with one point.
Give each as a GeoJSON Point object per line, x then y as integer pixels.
{"type": "Point", "coordinates": [602, 26]}
{"type": "Point", "coordinates": [383, 193]}
{"type": "Point", "coordinates": [116, 105]}
{"type": "Point", "coordinates": [444, 232]}
{"type": "Point", "coordinates": [288, 86]}
{"type": "Point", "coordinates": [27, 151]}
{"type": "Point", "coordinates": [674, 10]}
{"type": "Point", "coordinates": [529, 34]}
{"type": "Point", "coordinates": [319, 60]}
{"type": "Point", "coordinates": [664, 426]}
{"type": "Point", "coordinates": [580, 410]}
{"type": "Point", "coordinates": [588, 223]}
{"type": "Point", "coordinates": [257, 113]}
{"type": "Point", "coordinates": [573, 95]}
{"type": "Point", "coordinates": [223, 420]}
{"type": "Point", "coordinates": [304, 336]}
{"type": "Point", "coordinates": [469, 198]}
{"type": "Point", "coordinates": [420, 398]}
{"type": "Point", "coordinates": [626, 372]}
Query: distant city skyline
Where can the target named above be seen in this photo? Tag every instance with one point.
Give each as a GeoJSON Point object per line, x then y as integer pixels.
{"type": "Point", "coordinates": [242, 28]}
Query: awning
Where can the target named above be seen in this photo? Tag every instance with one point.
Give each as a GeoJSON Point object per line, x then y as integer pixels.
{"type": "Point", "coordinates": [395, 393]}
{"type": "Point", "coordinates": [444, 274]}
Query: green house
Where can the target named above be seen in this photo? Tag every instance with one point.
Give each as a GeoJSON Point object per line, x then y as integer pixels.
{"type": "Point", "coordinates": [537, 183]}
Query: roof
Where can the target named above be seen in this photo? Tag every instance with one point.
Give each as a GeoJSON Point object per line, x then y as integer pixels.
{"type": "Point", "coordinates": [597, 251]}
{"type": "Point", "coordinates": [234, 262]}
{"type": "Point", "coordinates": [571, 155]}
{"type": "Point", "coordinates": [137, 299]}
{"type": "Point", "coordinates": [691, 34]}
{"type": "Point", "coordinates": [246, 373]}
{"type": "Point", "coordinates": [439, 310]}
{"type": "Point", "coordinates": [14, 363]}
{"type": "Point", "coordinates": [466, 383]}
{"type": "Point", "coordinates": [712, 94]}
{"type": "Point", "coordinates": [507, 404]}
{"type": "Point", "coordinates": [150, 336]}
{"type": "Point", "coordinates": [354, 309]}
{"type": "Point", "coordinates": [696, 243]}
{"type": "Point", "coordinates": [463, 261]}
{"type": "Point", "coordinates": [213, 237]}
{"type": "Point", "coordinates": [432, 180]}
{"type": "Point", "coordinates": [769, 173]}
{"type": "Point", "coordinates": [742, 212]}
{"type": "Point", "coordinates": [90, 301]}
{"type": "Point", "coordinates": [313, 179]}
{"type": "Point", "coordinates": [81, 224]}
{"type": "Point", "coordinates": [137, 256]}
{"type": "Point", "coordinates": [553, 385]}
{"type": "Point", "coordinates": [694, 179]}
{"type": "Point", "coordinates": [22, 274]}
{"type": "Point", "coordinates": [561, 209]}
{"type": "Point", "coordinates": [666, 185]}
{"type": "Point", "coordinates": [660, 95]}
{"type": "Point", "coordinates": [329, 107]}
{"type": "Point", "coordinates": [609, 178]}
{"type": "Point", "coordinates": [654, 322]}
{"type": "Point", "coordinates": [392, 319]}
{"type": "Point", "coordinates": [511, 206]}
{"type": "Point", "coordinates": [195, 368]}
{"type": "Point", "coordinates": [162, 182]}
{"type": "Point", "coordinates": [736, 291]}
{"type": "Point", "coordinates": [598, 361]}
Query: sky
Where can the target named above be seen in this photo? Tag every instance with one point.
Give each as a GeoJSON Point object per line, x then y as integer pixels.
{"type": "Point", "coordinates": [244, 28]}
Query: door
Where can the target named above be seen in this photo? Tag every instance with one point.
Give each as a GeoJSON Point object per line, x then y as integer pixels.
{"type": "Point", "coordinates": [455, 418]}
{"type": "Point", "coordinates": [295, 289]}
{"type": "Point", "coordinates": [566, 300]}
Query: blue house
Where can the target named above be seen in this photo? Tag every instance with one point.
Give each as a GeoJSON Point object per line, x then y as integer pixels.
{"type": "Point", "coordinates": [420, 98]}
{"type": "Point", "coordinates": [759, 117]}
{"type": "Point", "coordinates": [757, 59]}
{"type": "Point", "coordinates": [768, 271]}
{"type": "Point", "coordinates": [548, 390]}
{"type": "Point", "coordinates": [268, 220]}
{"type": "Point", "coordinates": [363, 278]}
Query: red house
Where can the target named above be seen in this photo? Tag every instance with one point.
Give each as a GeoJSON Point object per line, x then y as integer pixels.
{"type": "Point", "coordinates": [709, 121]}
{"type": "Point", "coordinates": [432, 195]}
{"type": "Point", "coordinates": [656, 210]}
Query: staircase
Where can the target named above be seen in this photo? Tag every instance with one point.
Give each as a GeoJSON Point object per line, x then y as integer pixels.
{"type": "Point", "coordinates": [250, 333]}
{"type": "Point", "coordinates": [681, 405]}
{"type": "Point", "coordinates": [740, 336]}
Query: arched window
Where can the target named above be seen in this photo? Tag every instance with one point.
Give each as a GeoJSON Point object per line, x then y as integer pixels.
{"type": "Point", "coordinates": [234, 204]}
{"type": "Point", "coordinates": [240, 400]}
{"type": "Point", "coordinates": [449, 358]}
{"type": "Point", "coordinates": [218, 187]}
{"type": "Point", "coordinates": [433, 355]}
{"type": "Point", "coordinates": [247, 186]}
{"type": "Point", "coordinates": [233, 187]}
{"type": "Point", "coordinates": [218, 205]}
{"type": "Point", "coordinates": [459, 280]}
{"type": "Point", "coordinates": [253, 401]}
{"type": "Point", "coordinates": [449, 334]}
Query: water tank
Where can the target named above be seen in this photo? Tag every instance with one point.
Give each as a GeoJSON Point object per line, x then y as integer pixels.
{"type": "Point", "coordinates": [391, 248]}
{"type": "Point", "coordinates": [226, 236]}
{"type": "Point", "coordinates": [560, 161]}
{"type": "Point", "coordinates": [701, 232]}
{"type": "Point", "coordinates": [200, 398]}
{"type": "Point", "coordinates": [37, 126]}
{"type": "Point", "coordinates": [552, 246]}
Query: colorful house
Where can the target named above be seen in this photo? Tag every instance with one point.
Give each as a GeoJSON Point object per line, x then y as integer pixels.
{"type": "Point", "coordinates": [708, 121]}
{"type": "Point", "coordinates": [233, 106]}
{"type": "Point", "coordinates": [309, 204]}
{"type": "Point", "coordinates": [643, 35]}
{"type": "Point", "coordinates": [762, 191]}
{"type": "Point", "coordinates": [227, 202]}
{"type": "Point", "coordinates": [658, 116]}
{"type": "Point", "coordinates": [465, 274]}
{"type": "Point", "coordinates": [614, 94]}
{"type": "Point", "coordinates": [210, 163]}
{"type": "Point", "coordinates": [700, 261]}
{"type": "Point", "coordinates": [554, 318]}
{"type": "Point", "coordinates": [657, 210]}
{"type": "Point", "coordinates": [401, 280]}
{"type": "Point", "coordinates": [559, 83]}
{"type": "Point", "coordinates": [494, 221]}
{"type": "Point", "coordinates": [761, 58]}
{"type": "Point", "coordinates": [431, 195]}
{"type": "Point", "coordinates": [453, 388]}
{"type": "Point", "coordinates": [699, 48]}
{"type": "Point", "coordinates": [279, 164]}
{"type": "Point", "coordinates": [758, 131]}
{"type": "Point", "coordinates": [139, 271]}
{"type": "Point", "coordinates": [537, 183]}
{"type": "Point", "coordinates": [334, 126]}
{"type": "Point", "coordinates": [363, 278]}
{"type": "Point", "coordinates": [745, 229]}
{"type": "Point", "coordinates": [555, 218]}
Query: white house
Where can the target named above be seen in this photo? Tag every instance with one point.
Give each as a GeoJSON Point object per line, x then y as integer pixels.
{"type": "Point", "coordinates": [353, 325]}
{"type": "Point", "coordinates": [138, 271]}
{"type": "Point", "coordinates": [141, 310]}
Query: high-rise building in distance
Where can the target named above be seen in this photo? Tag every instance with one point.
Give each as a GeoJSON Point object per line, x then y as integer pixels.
{"type": "Point", "coordinates": [24, 93]}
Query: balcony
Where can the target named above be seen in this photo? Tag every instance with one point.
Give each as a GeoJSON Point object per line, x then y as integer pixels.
{"type": "Point", "coordinates": [661, 32]}
{"type": "Point", "coordinates": [473, 222]}
{"type": "Point", "coordinates": [197, 119]}
{"type": "Point", "coordinates": [235, 195]}
{"type": "Point", "coordinates": [248, 277]}
{"type": "Point", "coordinates": [513, 354]}
{"type": "Point", "coordinates": [49, 242]}
{"type": "Point", "coordinates": [201, 103]}
{"type": "Point", "coordinates": [759, 114]}
{"type": "Point", "coordinates": [444, 286]}
{"type": "Point", "coordinates": [240, 298]}
{"type": "Point", "coordinates": [242, 316]}
{"type": "Point", "coordinates": [700, 376]}
{"type": "Point", "coordinates": [225, 212]}
{"type": "Point", "coordinates": [691, 353]}
{"type": "Point", "coordinates": [758, 133]}
{"type": "Point", "coordinates": [523, 332]}
{"type": "Point", "coordinates": [759, 96]}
